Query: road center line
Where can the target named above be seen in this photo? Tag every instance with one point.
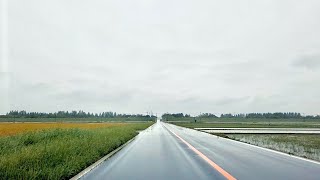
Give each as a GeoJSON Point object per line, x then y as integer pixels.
{"type": "Point", "coordinates": [204, 157]}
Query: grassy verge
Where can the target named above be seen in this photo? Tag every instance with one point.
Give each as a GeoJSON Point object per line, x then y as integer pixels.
{"type": "Point", "coordinates": [60, 153]}
{"type": "Point", "coordinates": [307, 146]}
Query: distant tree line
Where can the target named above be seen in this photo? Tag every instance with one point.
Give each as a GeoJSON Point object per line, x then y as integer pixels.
{"type": "Point", "coordinates": [207, 115]}
{"type": "Point", "coordinates": [176, 115]}
{"type": "Point", "coordinates": [71, 114]}
{"type": "Point", "coordinates": [276, 115]}
{"type": "Point", "coordinates": [166, 116]}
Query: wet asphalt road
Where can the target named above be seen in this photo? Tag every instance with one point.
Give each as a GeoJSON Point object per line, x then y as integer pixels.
{"type": "Point", "coordinates": [156, 153]}
{"type": "Point", "coordinates": [262, 130]}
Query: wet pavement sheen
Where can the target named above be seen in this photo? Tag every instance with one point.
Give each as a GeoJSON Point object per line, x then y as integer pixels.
{"type": "Point", "coordinates": [158, 154]}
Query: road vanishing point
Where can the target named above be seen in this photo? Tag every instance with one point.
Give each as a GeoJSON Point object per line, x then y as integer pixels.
{"type": "Point", "coordinates": [166, 151]}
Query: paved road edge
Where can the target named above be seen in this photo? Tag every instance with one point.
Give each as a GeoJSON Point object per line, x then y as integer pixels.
{"type": "Point", "coordinates": [106, 157]}
{"type": "Point", "coordinates": [215, 166]}
{"type": "Point", "coordinates": [259, 147]}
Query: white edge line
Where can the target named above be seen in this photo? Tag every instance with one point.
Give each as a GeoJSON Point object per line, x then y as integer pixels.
{"type": "Point", "coordinates": [263, 148]}
{"type": "Point", "coordinates": [100, 161]}
{"type": "Point", "coordinates": [272, 150]}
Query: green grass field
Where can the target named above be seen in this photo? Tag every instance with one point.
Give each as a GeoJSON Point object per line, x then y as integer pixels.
{"type": "Point", "coordinates": [60, 153]}
{"type": "Point", "coordinates": [239, 120]}
{"type": "Point", "coordinates": [249, 123]}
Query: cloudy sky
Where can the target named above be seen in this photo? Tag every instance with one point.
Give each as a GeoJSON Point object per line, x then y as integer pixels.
{"type": "Point", "coordinates": [186, 56]}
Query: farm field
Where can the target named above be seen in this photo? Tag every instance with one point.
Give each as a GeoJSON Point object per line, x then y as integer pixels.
{"type": "Point", "coordinates": [259, 124]}
{"type": "Point", "coordinates": [239, 120]}
{"type": "Point", "coordinates": [90, 119]}
{"type": "Point", "coordinates": [7, 129]}
{"type": "Point", "coordinates": [307, 146]}
{"type": "Point", "coordinates": [58, 150]}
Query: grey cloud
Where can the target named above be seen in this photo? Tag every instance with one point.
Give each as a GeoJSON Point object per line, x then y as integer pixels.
{"type": "Point", "coordinates": [311, 62]}
{"type": "Point", "coordinates": [4, 91]}
{"type": "Point", "coordinates": [231, 100]}
{"type": "Point", "coordinates": [208, 56]}
{"type": "Point", "coordinates": [103, 94]}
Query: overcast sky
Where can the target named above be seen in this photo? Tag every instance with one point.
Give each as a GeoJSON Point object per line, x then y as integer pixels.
{"type": "Point", "coordinates": [186, 56]}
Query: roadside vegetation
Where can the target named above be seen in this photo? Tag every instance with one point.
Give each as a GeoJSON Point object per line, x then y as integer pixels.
{"type": "Point", "coordinates": [7, 129]}
{"type": "Point", "coordinates": [303, 145]}
{"type": "Point", "coordinates": [60, 153]}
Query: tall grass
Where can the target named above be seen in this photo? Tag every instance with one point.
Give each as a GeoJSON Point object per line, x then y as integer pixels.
{"type": "Point", "coordinates": [59, 153]}
{"type": "Point", "coordinates": [7, 129]}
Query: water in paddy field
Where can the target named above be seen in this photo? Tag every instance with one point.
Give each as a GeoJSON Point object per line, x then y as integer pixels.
{"type": "Point", "coordinates": [262, 130]}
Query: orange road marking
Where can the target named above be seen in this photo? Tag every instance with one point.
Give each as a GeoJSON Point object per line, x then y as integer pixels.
{"type": "Point", "coordinates": [214, 165]}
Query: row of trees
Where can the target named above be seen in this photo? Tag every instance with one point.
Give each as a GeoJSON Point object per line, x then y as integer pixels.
{"type": "Point", "coordinates": [176, 115]}
{"type": "Point", "coordinates": [207, 115]}
{"type": "Point", "coordinates": [71, 114]}
{"type": "Point", "coordinates": [277, 115]}
{"type": "Point", "coordinates": [109, 114]}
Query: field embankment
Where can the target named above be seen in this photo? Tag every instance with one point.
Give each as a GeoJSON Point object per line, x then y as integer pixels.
{"type": "Point", "coordinates": [60, 153]}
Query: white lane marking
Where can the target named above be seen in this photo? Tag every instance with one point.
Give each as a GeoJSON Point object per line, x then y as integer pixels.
{"type": "Point", "coordinates": [266, 149]}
